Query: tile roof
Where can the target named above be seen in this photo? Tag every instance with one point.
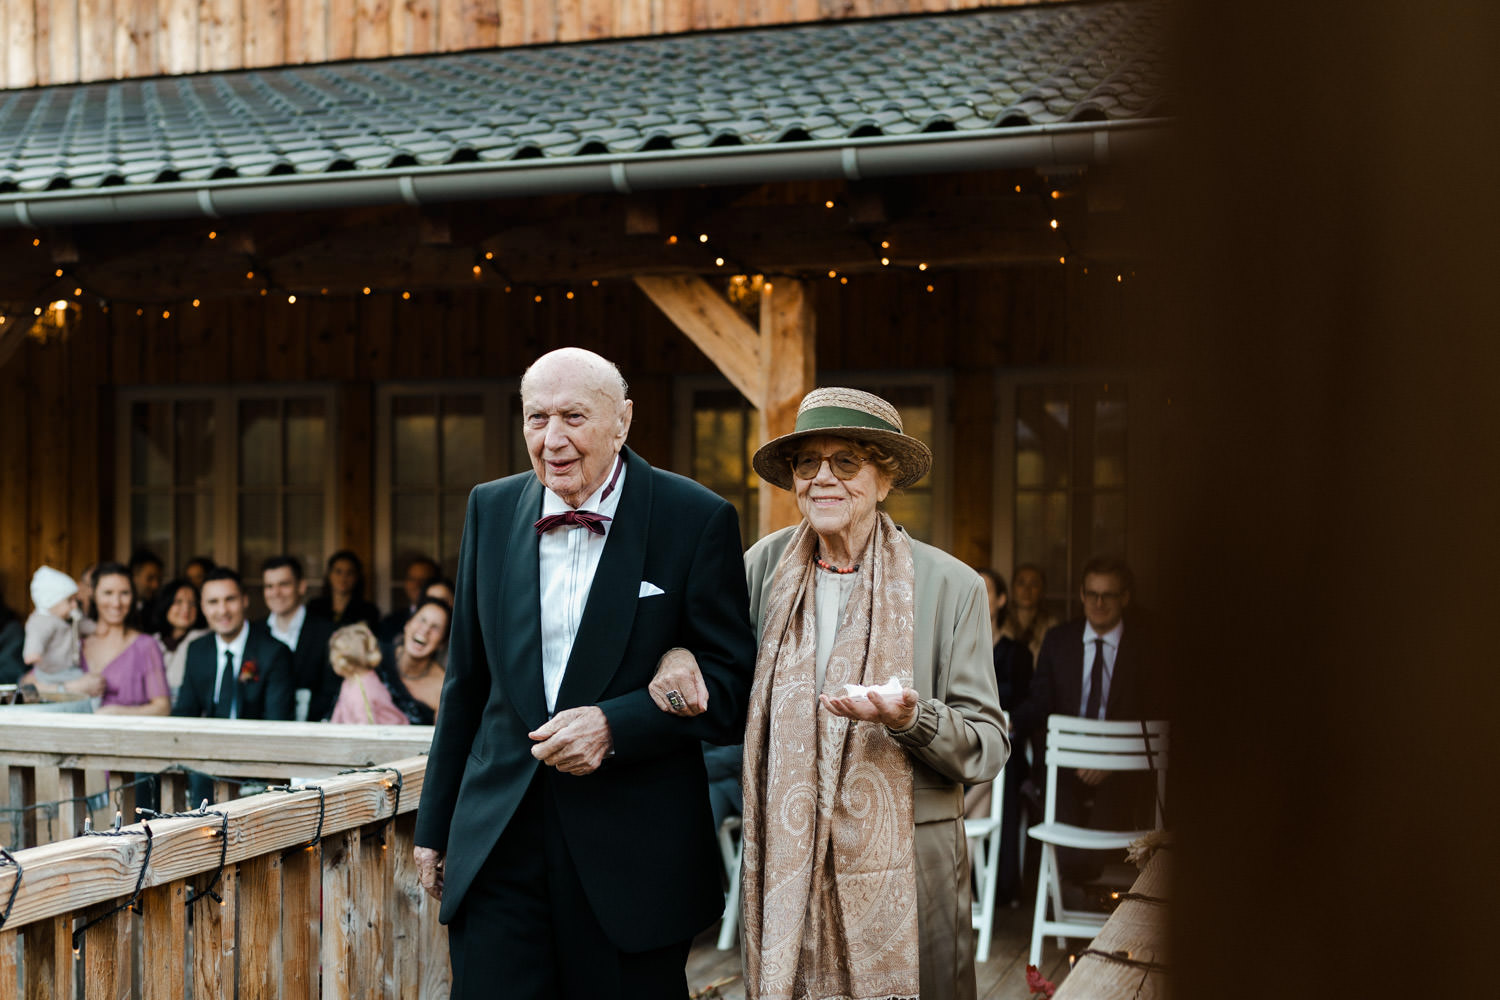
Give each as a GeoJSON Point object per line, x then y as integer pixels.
{"type": "Point", "coordinates": [971, 72]}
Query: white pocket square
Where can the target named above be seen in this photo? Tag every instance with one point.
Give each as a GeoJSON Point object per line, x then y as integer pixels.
{"type": "Point", "coordinates": [649, 590]}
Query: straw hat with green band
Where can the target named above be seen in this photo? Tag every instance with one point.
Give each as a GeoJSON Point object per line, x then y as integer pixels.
{"type": "Point", "coordinates": [846, 413]}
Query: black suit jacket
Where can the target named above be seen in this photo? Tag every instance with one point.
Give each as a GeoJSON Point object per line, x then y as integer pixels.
{"type": "Point", "coordinates": [310, 668]}
{"type": "Point", "coordinates": [268, 696]}
{"type": "Point", "coordinates": [639, 829]}
{"type": "Point", "coordinates": [1121, 802]}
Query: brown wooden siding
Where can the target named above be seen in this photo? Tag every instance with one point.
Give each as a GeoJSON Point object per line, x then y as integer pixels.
{"type": "Point", "coordinates": [70, 41]}
{"type": "Point", "coordinates": [57, 441]}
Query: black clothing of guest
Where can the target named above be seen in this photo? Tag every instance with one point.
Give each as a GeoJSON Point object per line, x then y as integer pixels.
{"type": "Point", "coordinates": [310, 666]}
{"type": "Point", "coordinates": [1013, 677]}
{"type": "Point", "coordinates": [357, 610]}
{"type": "Point", "coordinates": [389, 672]}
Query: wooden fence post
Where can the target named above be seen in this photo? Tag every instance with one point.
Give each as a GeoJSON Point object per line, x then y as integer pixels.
{"type": "Point", "coordinates": [301, 917]}
{"type": "Point", "coordinates": [259, 956]}
{"type": "Point", "coordinates": [213, 940]}
{"type": "Point", "coordinates": [341, 931]}
{"type": "Point", "coordinates": [164, 976]}
{"type": "Point", "coordinates": [107, 956]}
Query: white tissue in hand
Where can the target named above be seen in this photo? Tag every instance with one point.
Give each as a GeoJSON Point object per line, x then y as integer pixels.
{"type": "Point", "coordinates": [890, 689]}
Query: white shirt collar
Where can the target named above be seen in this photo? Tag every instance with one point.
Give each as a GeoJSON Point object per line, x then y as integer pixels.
{"type": "Point", "coordinates": [1111, 638]}
{"type": "Point", "coordinates": [292, 631]}
{"type": "Point", "coordinates": [235, 646]}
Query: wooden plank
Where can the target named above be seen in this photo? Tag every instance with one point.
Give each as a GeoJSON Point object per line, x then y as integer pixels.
{"type": "Point", "coordinates": [87, 365]}
{"type": "Point", "coordinates": [306, 31]}
{"type": "Point", "coordinates": [301, 922]}
{"type": "Point", "coordinates": [437, 972]}
{"type": "Point", "coordinates": [56, 41]}
{"type": "Point", "coordinates": [512, 22]}
{"type": "Point", "coordinates": [48, 956]}
{"type": "Point", "coordinates": [342, 930]}
{"type": "Point", "coordinates": [1136, 931]}
{"type": "Point", "coordinates": [598, 18]}
{"type": "Point", "coordinates": [414, 26]}
{"type": "Point", "coordinates": [788, 359]}
{"type": "Point", "coordinates": [135, 37]}
{"type": "Point", "coordinates": [542, 19]}
{"type": "Point", "coordinates": [404, 912]}
{"type": "Point", "coordinates": [165, 909]}
{"type": "Point", "coordinates": [213, 939]}
{"type": "Point", "coordinates": [372, 29]}
{"type": "Point", "coordinates": [708, 320]}
{"type": "Point", "coordinates": [23, 793]}
{"type": "Point", "coordinates": [71, 813]}
{"type": "Point", "coordinates": [176, 36]}
{"type": "Point", "coordinates": [174, 793]}
{"type": "Point", "coordinates": [10, 965]}
{"type": "Point", "coordinates": [468, 24]}
{"type": "Point", "coordinates": [220, 35]}
{"type": "Point", "coordinates": [265, 32]}
{"type": "Point", "coordinates": [20, 45]}
{"type": "Point", "coordinates": [106, 955]}
{"type": "Point", "coordinates": [260, 928]}
{"type": "Point", "coordinates": [372, 881]}
{"type": "Point", "coordinates": [343, 16]}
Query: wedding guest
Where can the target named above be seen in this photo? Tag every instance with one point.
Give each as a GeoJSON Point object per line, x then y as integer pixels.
{"type": "Point", "coordinates": [54, 630]}
{"type": "Point", "coordinates": [197, 570]}
{"type": "Point", "coordinates": [1026, 620]}
{"type": "Point", "coordinates": [302, 631]}
{"type": "Point", "coordinates": [410, 669]}
{"type": "Point", "coordinates": [12, 638]}
{"type": "Point", "coordinates": [354, 654]}
{"type": "Point", "coordinates": [420, 572]}
{"type": "Point", "coordinates": [145, 577]}
{"type": "Point", "coordinates": [125, 666]}
{"type": "Point", "coordinates": [343, 599]}
{"type": "Point", "coordinates": [176, 621]}
{"type": "Point", "coordinates": [86, 592]}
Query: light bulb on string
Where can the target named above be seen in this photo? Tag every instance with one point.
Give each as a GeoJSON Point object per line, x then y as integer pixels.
{"type": "Point", "coordinates": [213, 234]}
{"type": "Point", "coordinates": [718, 261]}
{"type": "Point", "coordinates": [195, 303]}
{"type": "Point", "coordinates": [366, 289]}
{"type": "Point", "coordinates": [405, 296]}
{"type": "Point", "coordinates": [1052, 223]}
{"type": "Point", "coordinates": [569, 296]}
{"type": "Point", "coordinates": [828, 203]}
{"type": "Point", "coordinates": [702, 237]}
{"type": "Point", "coordinates": [922, 266]}
{"type": "Point", "coordinates": [291, 300]}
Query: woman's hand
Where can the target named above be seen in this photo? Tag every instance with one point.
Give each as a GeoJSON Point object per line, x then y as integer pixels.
{"type": "Point", "coordinates": [89, 684]}
{"type": "Point", "coordinates": [893, 713]}
{"type": "Point", "coordinates": [677, 673]}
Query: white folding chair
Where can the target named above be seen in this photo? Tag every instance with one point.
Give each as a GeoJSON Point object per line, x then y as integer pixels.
{"type": "Point", "coordinates": [985, 830]}
{"type": "Point", "coordinates": [1107, 745]}
{"type": "Point", "coordinates": [732, 851]}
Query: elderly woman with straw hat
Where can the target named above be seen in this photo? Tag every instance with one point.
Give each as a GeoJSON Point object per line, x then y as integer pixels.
{"type": "Point", "coordinates": [874, 702]}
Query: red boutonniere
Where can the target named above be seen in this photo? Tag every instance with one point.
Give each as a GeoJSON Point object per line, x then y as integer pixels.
{"type": "Point", "coordinates": [1037, 983]}
{"type": "Point", "coordinates": [249, 672]}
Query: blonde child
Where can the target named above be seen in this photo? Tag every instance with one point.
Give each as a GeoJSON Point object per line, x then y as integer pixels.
{"type": "Point", "coordinates": [363, 700]}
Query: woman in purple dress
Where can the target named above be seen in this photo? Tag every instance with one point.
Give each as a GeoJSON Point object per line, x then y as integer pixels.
{"type": "Point", "coordinates": [127, 661]}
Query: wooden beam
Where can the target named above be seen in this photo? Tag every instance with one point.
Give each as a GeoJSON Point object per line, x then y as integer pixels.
{"type": "Point", "coordinates": [709, 321]}
{"type": "Point", "coordinates": [788, 363]}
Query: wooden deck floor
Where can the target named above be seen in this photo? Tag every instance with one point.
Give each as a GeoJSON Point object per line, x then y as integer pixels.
{"type": "Point", "coordinates": [1003, 977]}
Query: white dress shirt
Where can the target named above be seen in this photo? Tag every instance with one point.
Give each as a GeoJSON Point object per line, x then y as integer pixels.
{"type": "Point", "coordinates": [1111, 651]}
{"type": "Point", "coordinates": [293, 631]}
{"type": "Point", "coordinates": [237, 647]}
{"type": "Point", "coordinates": [568, 558]}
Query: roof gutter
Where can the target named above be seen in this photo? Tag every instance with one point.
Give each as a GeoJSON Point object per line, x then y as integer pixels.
{"type": "Point", "coordinates": [1039, 146]}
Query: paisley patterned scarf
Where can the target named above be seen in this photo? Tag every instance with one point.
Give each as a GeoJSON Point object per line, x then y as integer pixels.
{"type": "Point", "coordinates": [830, 908]}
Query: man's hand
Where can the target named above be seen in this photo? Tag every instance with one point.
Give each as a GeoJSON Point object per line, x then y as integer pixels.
{"type": "Point", "coordinates": [429, 870]}
{"type": "Point", "coordinates": [677, 670]}
{"type": "Point", "coordinates": [575, 740]}
{"type": "Point", "coordinates": [89, 684]}
{"type": "Point", "coordinates": [893, 713]}
{"type": "Point", "coordinates": [1091, 776]}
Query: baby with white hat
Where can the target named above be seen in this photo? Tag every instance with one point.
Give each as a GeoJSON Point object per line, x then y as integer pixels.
{"type": "Point", "coordinates": [53, 629]}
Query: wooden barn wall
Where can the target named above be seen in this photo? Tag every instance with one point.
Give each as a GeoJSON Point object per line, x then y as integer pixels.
{"type": "Point", "coordinates": [68, 41]}
{"type": "Point", "coordinates": [56, 439]}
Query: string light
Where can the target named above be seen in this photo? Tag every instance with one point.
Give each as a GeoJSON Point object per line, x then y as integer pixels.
{"type": "Point", "coordinates": [885, 244]}
{"type": "Point", "coordinates": [489, 255]}
{"type": "Point", "coordinates": [1119, 278]}
{"type": "Point", "coordinates": [1062, 260]}
{"type": "Point", "coordinates": [843, 281]}
{"type": "Point", "coordinates": [57, 273]}
{"type": "Point", "coordinates": [405, 296]}
{"type": "Point", "coordinates": [1056, 195]}
{"type": "Point", "coordinates": [1053, 223]}
{"type": "Point", "coordinates": [367, 289]}
{"type": "Point", "coordinates": [594, 283]}
{"type": "Point", "coordinates": [213, 234]}
{"type": "Point", "coordinates": [570, 296]}
{"type": "Point", "coordinates": [885, 262]}
{"type": "Point", "coordinates": [1018, 189]}
{"type": "Point", "coordinates": [264, 292]}
{"type": "Point", "coordinates": [702, 237]}
{"type": "Point", "coordinates": [929, 288]}
{"type": "Point", "coordinates": [828, 203]}
{"type": "Point", "coordinates": [324, 291]}
{"type": "Point", "coordinates": [922, 266]}
{"type": "Point", "coordinates": [166, 314]}
{"type": "Point", "coordinates": [671, 241]}
{"type": "Point", "coordinates": [833, 274]}
{"type": "Point", "coordinates": [476, 270]}
{"type": "Point", "coordinates": [537, 299]}
{"type": "Point", "coordinates": [195, 303]}
{"type": "Point", "coordinates": [77, 292]}
{"type": "Point", "coordinates": [291, 300]}
{"type": "Point", "coordinates": [249, 275]}
{"type": "Point", "coordinates": [718, 261]}
{"type": "Point", "coordinates": [36, 242]}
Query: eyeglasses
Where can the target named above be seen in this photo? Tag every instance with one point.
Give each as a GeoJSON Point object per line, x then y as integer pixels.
{"type": "Point", "coordinates": [1102, 596]}
{"type": "Point", "coordinates": [845, 465]}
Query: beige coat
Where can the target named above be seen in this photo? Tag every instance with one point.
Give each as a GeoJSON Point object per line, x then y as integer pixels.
{"type": "Point", "coordinates": [959, 738]}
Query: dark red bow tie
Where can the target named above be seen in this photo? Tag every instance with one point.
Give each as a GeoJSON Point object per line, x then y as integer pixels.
{"type": "Point", "coordinates": [573, 519]}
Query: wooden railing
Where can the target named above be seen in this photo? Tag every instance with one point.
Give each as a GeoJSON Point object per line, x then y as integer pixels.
{"type": "Point", "coordinates": [1128, 960]}
{"type": "Point", "coordinates": [297, 892]}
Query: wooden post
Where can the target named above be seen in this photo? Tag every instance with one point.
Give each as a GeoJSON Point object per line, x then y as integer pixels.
{"type": "Point", "coordinates": [372, 879]}
{"type": "Point", "coordinates": [49, 958]}
{"type": "Point", "coordinates": [70, 786]}
{"type": "Point", "coordinates": [341, 931]}
{"type": "Point", "coordinates": [404, 906]}
{"type": "Point", "coordinates": [10, 969]}
{"type": "Point", "coordinates": [773, 367]}
{"type": "Point", "coordinates": [174, 793]}
{"type": "Point", "coordinates": [213, 940]}
{"type": "Point", "coordinates": [165, 976]}
{"type": "Point", "coordinates": [301, 920]}
{"type": "Point", "coordinates": [260, 928]}
{"type": "Point", "coordinates": [106, 957]}
{"type": "Point", "coordinates": [23, 793]}
{"type": "Point", "coordinates": [788, 339]}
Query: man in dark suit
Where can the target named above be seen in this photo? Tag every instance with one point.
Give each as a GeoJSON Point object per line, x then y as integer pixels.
{"type": "Point", "coordinates": [1098, 667]}
{"type": "Point", "coordinates": [315, 686]}
{"type": "Point", "coordinates": [239, 671]}
{"type": "Point", "coordinates": [420, 572]}
{"type": "Point", "coordinates": [580, 855]}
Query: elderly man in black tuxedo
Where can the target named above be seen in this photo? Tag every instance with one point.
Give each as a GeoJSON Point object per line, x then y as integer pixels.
{"type": "Point", "coordinates": [238, 671]}
{"type": "Point", "coordinates": [565, 820]}
{"type": "Point", "coordinates": [1098, 666]}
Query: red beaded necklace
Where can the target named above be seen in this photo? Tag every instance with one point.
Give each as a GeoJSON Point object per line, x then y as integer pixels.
{"type": "Point", "coordinates": [830, 567]}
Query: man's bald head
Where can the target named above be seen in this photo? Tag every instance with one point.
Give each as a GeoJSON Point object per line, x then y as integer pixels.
{"type": "Point", "coordinates": [576, 415]}
{"type": "Point", "coordinates": [575, 363]}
